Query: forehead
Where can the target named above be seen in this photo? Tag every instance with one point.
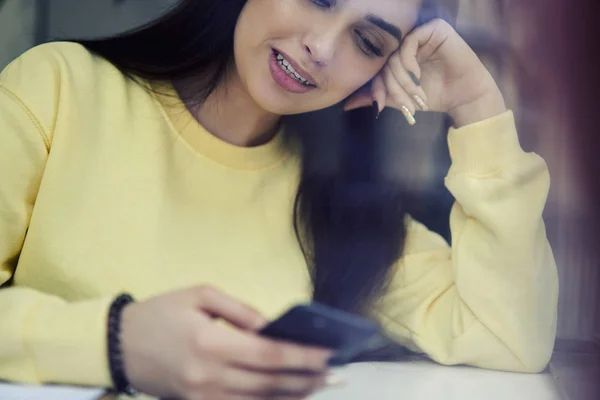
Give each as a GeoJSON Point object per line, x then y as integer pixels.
{"type": "Point", "coordinates": [402, 13]}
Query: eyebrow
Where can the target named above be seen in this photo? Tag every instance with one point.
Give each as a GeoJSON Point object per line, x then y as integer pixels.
{"type": "Point", "coordinates": [386, 26]}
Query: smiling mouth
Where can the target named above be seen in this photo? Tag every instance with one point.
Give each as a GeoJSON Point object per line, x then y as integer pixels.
{"type": "Point", "coordinates": [287, 67]}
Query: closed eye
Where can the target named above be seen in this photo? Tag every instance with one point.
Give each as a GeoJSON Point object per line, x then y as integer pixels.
{"type": "Point", "coordinates": [367, 46]}
{"type": "Point", "coordinates": [323, 3]}
{"type": "Point", "coordinates": [363, 43]}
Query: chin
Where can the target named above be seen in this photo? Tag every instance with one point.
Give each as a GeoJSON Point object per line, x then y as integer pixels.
{"type": "Point", "coordinates": [275, 103]}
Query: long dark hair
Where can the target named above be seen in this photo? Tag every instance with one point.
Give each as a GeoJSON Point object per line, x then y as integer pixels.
{"type": "Point", "coordinates": [349, 215]}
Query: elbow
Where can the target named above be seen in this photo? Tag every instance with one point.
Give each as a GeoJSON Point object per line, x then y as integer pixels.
{"type": "Point", "coordinates": [534, 353]}
{"type": "Point", "coordinates": [535, 365]}
{"type": "Point", "coordinates": [538, 357]}
{"type": "Point", "coordinates": [535, 348]}
{"type": "Point", "coordinates": [531, 362]}
{"type": "Point", "coordinates": [528, 352]}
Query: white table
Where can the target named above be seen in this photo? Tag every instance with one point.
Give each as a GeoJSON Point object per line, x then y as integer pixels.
{"type": "Point", "coordinates": [424, 380]}
{"type": "Point", "coordinates": [410, 380]}
{"type": "Point", "coordinates": [20, 392]}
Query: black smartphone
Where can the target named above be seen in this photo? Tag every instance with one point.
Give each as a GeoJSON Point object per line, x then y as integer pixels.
{"type": "Point", "coordinates": [319, 325]}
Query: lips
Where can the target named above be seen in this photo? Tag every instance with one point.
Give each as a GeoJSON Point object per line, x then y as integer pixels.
{"type": "Point", "coordinates": [297, 67]}
{"type": "Point", "coordinates": [283, 77]}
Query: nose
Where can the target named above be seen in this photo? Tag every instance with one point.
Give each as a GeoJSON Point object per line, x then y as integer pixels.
{"type": "Point", "coordinates": [320, 47]}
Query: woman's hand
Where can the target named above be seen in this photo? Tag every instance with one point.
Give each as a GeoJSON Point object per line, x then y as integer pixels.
{"type": "Point", "coordinates": [174, 348]}
{"type": "Point", "coordinates": [436, 70]}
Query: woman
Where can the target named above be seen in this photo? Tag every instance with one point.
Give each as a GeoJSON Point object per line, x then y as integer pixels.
{"type": "Point", "coordinates": [111, 183]}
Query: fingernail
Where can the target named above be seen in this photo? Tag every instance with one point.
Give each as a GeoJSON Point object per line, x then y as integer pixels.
{"type": "Point", "coordinates": [333, 379]}
{"type": "Point", "coordinates": [376, 109]}
{"type": "Point", "coordinates": [420, 102]}
{"type": "Point", "coordinates": [409, 117]}
{"type": "Point", "coordinates": [414, 78]}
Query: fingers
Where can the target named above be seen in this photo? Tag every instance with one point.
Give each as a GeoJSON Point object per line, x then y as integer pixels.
{"type": "Point", "coordinates": [399, 83]}
{"type": "Point", "coordinates": [409, 80]}
{"type": "Point", "coordinates": [219, 305]}
{"type": "Point", "coordinates": [409, 50]}
{"type": "Point", "coordinates": [423, 42]}
{"type": "Point", "coordinates": [379, 92]}
{"type": "Point", "coordinates": [256, 383]}
{"type": "Point", "coordinates": [269, 355]}
{"type": "Point", "coordinates": [400, 96]}
{"type": "Point", "coordinates": [407, 72]}
{"type": "Point", "coordinates": [247, 350]}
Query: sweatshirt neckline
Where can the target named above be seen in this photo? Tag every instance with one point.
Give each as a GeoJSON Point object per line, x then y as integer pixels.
{"type": "Point", "coordinates": [208, 145]}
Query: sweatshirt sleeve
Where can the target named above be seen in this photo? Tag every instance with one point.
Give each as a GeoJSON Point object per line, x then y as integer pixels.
{"type": "Point", "coordinates": [491, 300]}
{"type": "Point", "coordinates": [43, 338]}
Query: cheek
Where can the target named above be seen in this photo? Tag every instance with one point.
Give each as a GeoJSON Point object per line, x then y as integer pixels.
{"type": "Point", "coordinates": [263, 20]}
{"type": "Point", "coordinates": [351, 72]}
{"type": "Point", "coordinates": [261, 24]}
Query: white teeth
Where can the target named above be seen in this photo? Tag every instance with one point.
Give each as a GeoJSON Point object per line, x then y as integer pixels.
{"type": "Point", "coordinates": [287, 68]}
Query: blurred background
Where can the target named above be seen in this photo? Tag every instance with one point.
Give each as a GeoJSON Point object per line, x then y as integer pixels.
{"type": "Point", "coordinates": [515, 38]}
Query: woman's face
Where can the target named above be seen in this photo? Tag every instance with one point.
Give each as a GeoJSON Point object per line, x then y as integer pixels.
{"type": "Point", "coordinates": [295, 56]}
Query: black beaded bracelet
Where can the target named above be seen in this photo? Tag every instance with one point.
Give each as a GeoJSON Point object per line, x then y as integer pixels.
{"type": "Point", "coordinates": [115, 356]}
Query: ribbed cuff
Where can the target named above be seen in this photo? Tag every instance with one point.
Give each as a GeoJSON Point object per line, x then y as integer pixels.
{"type": "Point", "coordinates": [67, 342]}
{"type": "Point", "coordinates": [484, 147]}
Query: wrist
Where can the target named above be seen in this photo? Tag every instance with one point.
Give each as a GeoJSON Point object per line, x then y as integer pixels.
{"type": "Point", "coordinates": [115, 344]}
{"type": "Point", "coordinates": [489, 105]}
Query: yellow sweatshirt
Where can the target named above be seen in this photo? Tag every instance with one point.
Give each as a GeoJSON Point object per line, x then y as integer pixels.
{"type": "Point", "coordinates": [106, 188]}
